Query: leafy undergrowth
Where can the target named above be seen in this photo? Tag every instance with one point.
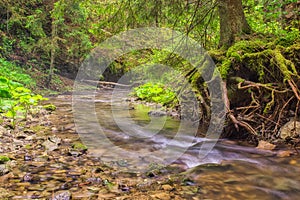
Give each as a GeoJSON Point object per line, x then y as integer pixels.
{"type": "Point", "coordinates": [18, 98]}
{"type": "Point", "coordinates": [16, 101]}
{"type": "Point", "coordinates": [34, 79]}
{"type": "Point", "coordinates": [157, 93]}
{"type": "Point", "coordinates": [16, 73]}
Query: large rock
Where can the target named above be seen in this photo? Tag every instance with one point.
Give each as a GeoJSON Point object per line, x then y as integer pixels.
{"type": "Point", "coordinates": [157, 113]}
{"type": "Point", "coordinates": [290, 129]}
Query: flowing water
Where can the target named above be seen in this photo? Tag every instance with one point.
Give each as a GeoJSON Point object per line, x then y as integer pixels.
{"type": "Point", "coordinates": [132, 140]}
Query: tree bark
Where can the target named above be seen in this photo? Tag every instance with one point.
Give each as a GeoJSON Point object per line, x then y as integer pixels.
{"type": "Point", "coordinates": [233, 23]}
{"type": "Point", "coordinates": [52, 52]}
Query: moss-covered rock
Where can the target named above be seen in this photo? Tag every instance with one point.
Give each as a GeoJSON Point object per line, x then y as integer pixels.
{"type": "Point", "coordinates": [79, 146]}
{"type": "Point", "coordinates": [49, 107]}
{"type": "Point", "coordinates": [4, 159]}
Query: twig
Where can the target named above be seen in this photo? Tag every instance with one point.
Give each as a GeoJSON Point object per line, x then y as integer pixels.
{"type": "Point", "coordinates": [294, 88]}
{"type": "Point", "coordinates": [280, 113]}
{"type": "Point", "coordinates": [236, 122]}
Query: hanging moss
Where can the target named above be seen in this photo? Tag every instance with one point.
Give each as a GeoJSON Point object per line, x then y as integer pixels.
{"type": "Point", "coordinates": [239, 52]}
{"type": "Point", "coordinates": [286, 66]}
{"type": "Point", "coordinates": [225, 67]}
{"type": "Point", "coordinates": [293, 53]}
{"type": "Point", "coordinates": [257, 62]}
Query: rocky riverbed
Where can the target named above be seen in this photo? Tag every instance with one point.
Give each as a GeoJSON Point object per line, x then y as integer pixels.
{"type": "Point", "coordinates": [44, 158]}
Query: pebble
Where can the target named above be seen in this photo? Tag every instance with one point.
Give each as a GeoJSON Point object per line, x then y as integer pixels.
{"type": "Point", "coordinates": [167, 187]}
{"type": "Point", "coordinates": [161, 196]}
{"type": "Point", "coordinates": [62, 195]}
{"type": "Point", "coordinates": [265, 145]}
{"type": "Point", "coordinates": [283, 154]}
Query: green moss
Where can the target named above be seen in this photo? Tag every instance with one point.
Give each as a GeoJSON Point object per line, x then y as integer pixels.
{"type": "Point", "coordinates": [217, 55]}
{"type": "Point", "coordinates": [225, 67]}
{"type": "Point", "coordinates": [259, 62]}
{"type": "Point", "coordinates": [4, 159]}
{"type": "Point", "coordinates": [37, 128]}
{"type": "Point", "coordinates": [292, 53]}
{"type": "Point", "coordinates": [256, 62]}
{"type": "Point", "coordinates": [79, 146]}
{"type": "Point", "coordinates": [270, 104]}
{"type": "Point", "coordinates": [50, 107]}
{"type": "Point", "coordinates": [286, 67]}
{"type": "Point", "coordinates": [249, 51]}
{"type": "Point", "coordinates": [245, 46]}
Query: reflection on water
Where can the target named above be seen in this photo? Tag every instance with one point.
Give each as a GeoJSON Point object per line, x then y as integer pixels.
{"type": "Point", "coordinates": [229, 171]}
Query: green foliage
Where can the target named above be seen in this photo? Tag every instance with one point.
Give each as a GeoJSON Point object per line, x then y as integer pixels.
{"type": "Point", "coordinates": [268, 17]}
{"type": "Point", "coordinates": [290, 38]}
{"type": "Point", "coordinates": [7, 44]}
{"type": "Point", "coordinates": [16, 100]}
{"type": "Point", "coordinates": [157, 93]}
{"type": "Point", "coordinates": [15, 73]}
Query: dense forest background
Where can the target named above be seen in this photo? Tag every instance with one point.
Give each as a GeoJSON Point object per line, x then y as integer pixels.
{"type": "Point", "coordinates": [254, 43]}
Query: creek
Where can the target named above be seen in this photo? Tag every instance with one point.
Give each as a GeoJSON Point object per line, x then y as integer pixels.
{"type": "Point", "coordinates": [228, 170]}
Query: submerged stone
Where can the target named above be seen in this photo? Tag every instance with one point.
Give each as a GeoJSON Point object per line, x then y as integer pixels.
{"type": "Point", "coordinates": [157, 113]}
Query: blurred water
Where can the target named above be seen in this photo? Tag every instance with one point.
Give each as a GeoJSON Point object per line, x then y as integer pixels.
{"type": "Point", "coordinates": [230, 169]}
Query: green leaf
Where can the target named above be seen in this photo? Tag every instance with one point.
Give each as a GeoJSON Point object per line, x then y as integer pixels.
{"type": "Point", "coordinates": [3, 80]}
{"type": "Point", "coordinates": [5, 93]}
{"type": "Point", "coordinates": [10, 114]}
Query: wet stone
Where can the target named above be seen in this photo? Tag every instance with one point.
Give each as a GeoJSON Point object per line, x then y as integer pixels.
{"type": "Point", "coordinates": [162, 196]}
{"type": "Point", "coordinates": [66, 186]}
{"type": "Point", "coordinates": [50, 146]}
{"type": "Point", "coordinates": [93, 189]}
{"type": "Point", "coordinates": [124, 188]}
{"type": "Point", "coordinates": [157, 113]}
{"type": "Point", "coordinates": [3, 170]}
{"type": "Point", "coordinates": [167, 187]}
{"type": "Point", "coordinates": [265, 145]}
{"type": "Point", "coordinates": [28, 158]}
{"type": "Point", "coordinates": [62, 195]}
{"type": "Point", "coordinates": [27, 177]}
{"type": "Point", "coordinates": [74, 153]}
{"type": "Point", "coordinates": [94, 180]}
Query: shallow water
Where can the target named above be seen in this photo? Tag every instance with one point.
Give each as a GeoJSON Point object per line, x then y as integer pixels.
{"type": "Point", "coordinates": [130, 139]}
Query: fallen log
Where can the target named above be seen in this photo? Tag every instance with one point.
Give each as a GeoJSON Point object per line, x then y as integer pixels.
{"type": "Point", "coordinates": [105, 83]}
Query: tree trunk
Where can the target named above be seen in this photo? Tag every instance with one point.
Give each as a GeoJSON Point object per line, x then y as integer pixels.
{"type": "Point", "coordinates": [233, 23]}
{"type": "Point", "coordinates": [52, 52]}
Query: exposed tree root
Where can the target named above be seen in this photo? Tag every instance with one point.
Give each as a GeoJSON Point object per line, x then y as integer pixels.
{"type": "Point", "coordinates": [236, 122]}
{"type": "Point", "coordinates": [261, 88]}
